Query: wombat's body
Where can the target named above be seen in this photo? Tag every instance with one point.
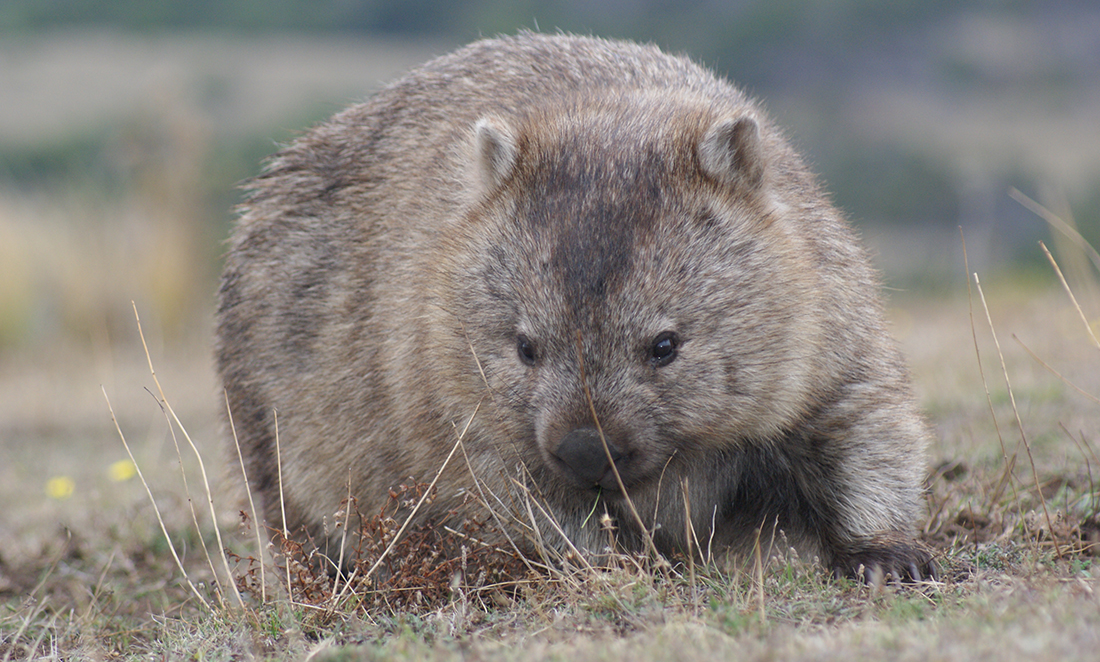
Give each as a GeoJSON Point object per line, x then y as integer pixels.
{"type": "Point", "coordinates": [536, 229]}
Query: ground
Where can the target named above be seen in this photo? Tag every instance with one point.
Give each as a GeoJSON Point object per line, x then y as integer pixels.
{"type": "Point", "coordinates": [85, 569]}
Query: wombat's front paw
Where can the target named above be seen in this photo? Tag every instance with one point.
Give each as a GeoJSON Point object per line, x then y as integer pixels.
{"type": "Point", "coordinates": [887, 557]}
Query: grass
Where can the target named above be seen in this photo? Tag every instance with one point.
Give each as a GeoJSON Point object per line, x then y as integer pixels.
{"type": "Point", "coordinates": [92, 569]}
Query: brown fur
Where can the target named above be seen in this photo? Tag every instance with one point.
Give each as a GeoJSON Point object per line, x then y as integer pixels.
{"type": "Point", "coordinates": [532, 215]}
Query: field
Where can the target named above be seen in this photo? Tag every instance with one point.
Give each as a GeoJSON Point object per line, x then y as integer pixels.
{"type": "Point", "coordinates": [86, 570]}
{"type": "Point", "coordinates": [88, 565]}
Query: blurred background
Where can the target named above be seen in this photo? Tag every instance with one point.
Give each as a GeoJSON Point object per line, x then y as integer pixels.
{"type": "Point", "coordinates": [125, 127]}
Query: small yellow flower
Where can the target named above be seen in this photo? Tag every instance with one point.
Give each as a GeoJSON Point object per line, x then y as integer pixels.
{"type": "Point", "coordinates": [60, 487]}
{"type": "Point", "coordinates": [121, 471]}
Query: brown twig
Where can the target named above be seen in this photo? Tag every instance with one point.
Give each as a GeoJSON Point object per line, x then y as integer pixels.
{"type": "Point", "coordinates": [1053, 219]}
{"type": "Point", "coordinates": [256, 523]}
{"type": "Point", "coordinates": [423, 497]}
{"type": "Point", "coordinates": [1019, 423]}
{"type": "Point", "coordinates": [646, 535]}
{"type": "Point", "coordinates": [1080, 313]}
{"type": "Point", "coordinates": [202, 472]}
{"type": "Point", "coordinates": [1010, 464]}
{"type": "Point", "coordinates": [156, 510]}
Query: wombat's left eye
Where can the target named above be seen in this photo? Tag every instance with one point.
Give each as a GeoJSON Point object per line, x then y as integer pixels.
{"type": "Point", "coordinates": [664, 348]}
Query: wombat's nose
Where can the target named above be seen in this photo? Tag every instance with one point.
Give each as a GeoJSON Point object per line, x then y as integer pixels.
{"type": "Point", "coordinates": [581, 451]}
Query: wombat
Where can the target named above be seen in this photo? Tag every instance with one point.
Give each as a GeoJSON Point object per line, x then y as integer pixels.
{"type": "Point", "coordinates": [605, 270]}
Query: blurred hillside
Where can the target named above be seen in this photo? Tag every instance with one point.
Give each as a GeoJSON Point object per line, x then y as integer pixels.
{"type": "Point", "coordinates": [125, 126]}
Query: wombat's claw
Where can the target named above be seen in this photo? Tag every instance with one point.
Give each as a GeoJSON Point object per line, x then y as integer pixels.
{"type": "Point", "coordinates": [902, 562]}
{"type": "Point", "coordinates": [918, 572]}
{"type": "Point", "coordinates": [914, 572]}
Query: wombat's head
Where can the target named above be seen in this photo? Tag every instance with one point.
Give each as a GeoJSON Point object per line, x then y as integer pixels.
{"type": "Point", "coordinates": [633, 273]}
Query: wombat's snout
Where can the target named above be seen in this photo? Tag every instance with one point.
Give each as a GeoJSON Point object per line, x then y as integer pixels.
{"type": "Point", "coordinates": [582, 453]}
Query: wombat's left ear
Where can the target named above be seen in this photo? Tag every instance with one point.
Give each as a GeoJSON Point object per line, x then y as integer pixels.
{"type": "Point", "coordinates": [496, 151]}
{"type": "Point", "coordinates": [731, 152]}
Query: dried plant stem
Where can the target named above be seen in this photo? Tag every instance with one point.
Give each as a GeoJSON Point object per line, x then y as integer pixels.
{"type": "Point", "coordinates": [528, 500]}
{"type": "Point", "coordinates": [759, 576]}
{"type": "Point", "coordinates": [689, 537]}
{"type": "Point", "coordinates": [1085, 450]}
{"type": "Point", "coordinates": [338, 596]}
{"type": "Point", "coordinates": [481, 490]}
{"type": "Point", "coordinates": [40, 605]}
{"type": "Point", "coordinates": [478, 483]}
{"type": "Point", "coordinates": [282, 499]}
{"type": "Point", "coordinates": [94, 602]}
{"type": "Point", "coordinates": [646, 535]}
{"type": "Point", "coordinates": [42, 635]}
{"type": "Point", "coordinates": [202, 472]}
{"type": "Point", "coordinates": [1054, 372]}
{"type": "Point", "coordinates": [1010, 464]}
{"type": "Point", "coordinates": [423, 497]}
{"type": "Point", "coordinates": [1085, 441]}
{"type": "Point", "coordinates": [38, 608]}
{"type": "Point", "coordinates": [710, 540]}
{"type": "Point", "coordinates": [1081, 313]}
{"type": "Point", "coordinates": [163, 528]}
{"type": "Point", "coordinates": [191, 504]}
{"type": "Point", "coordinates": [344, 533]}
{"type": "Point", "coordinates": [1019, 423]}
{"type": "Point", "coordinates": [256, 523]}
{"type": "Point", "coordinates": [1053, 219]}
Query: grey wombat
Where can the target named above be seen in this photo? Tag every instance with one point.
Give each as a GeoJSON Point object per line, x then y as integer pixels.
{"type": "Point", "coordinates": [542, 227]}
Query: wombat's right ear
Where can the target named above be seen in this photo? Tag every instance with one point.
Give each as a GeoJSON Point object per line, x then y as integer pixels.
{"type": "Point", "coordinates": [496, 151]}
{"type": "Point", "coordinates": [732, 152]}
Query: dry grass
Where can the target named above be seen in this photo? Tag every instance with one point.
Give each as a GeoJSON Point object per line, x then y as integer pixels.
{"type": "Point", "coordinates": [1013, 501]}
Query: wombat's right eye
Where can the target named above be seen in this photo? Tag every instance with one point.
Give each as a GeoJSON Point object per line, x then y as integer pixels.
{"type": "Point", "coordinates": [664, 348]}
{"type": "Point", "coordinates": [526, 350]}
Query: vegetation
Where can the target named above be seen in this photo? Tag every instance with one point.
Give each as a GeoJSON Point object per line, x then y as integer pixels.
{"type": "Point", "coordinates": [1014, 516]}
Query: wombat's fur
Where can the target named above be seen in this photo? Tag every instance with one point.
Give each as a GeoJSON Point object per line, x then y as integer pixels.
{"type": "Point", "coordinates": [546, 237]}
